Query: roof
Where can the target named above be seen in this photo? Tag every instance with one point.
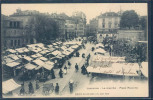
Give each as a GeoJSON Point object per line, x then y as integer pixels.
{"type": "Point", "coordinates": [48, 66]}
{"type": "Point", "coordinates": [43, 58]}
{"type": "Point", "coordinates": [100, 50]}
{"type": "Point", "coordinates": [12, 64]}
{"type": "Point", "coordinates": [27, 58]}
{"type": "Point", "coordinates": [56, 52]}
{"type": "Point", "coordinates": [30, 66]}
{"type": "Point", "coordinates": [109, 14]}
{"type": "Point", "coordinates": [9, 86]}
{"type": "Point", "coordinates": [99, 45]}
{"type": "Point", "coordinates": [11, 50]}
{"type": "Point", "coordinates": [38, 62]}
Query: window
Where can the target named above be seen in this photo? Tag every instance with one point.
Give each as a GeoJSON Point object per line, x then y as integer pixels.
{"type": "Point", "coordinates": [5, 43]}
{"type": "Point", "coordinates": [109, 25]}
{"type": "Point", "coordinates": [26, 40]}
{"type": "Point", "coordinates": [15, 42]}
{"type": "Point", "coordinates": [18, 24]}
{"type": "Point", "coordinates": [103, 20]}
{"type": "Point", "coordinates": [11, 42]}
{"type": "Point", "coordinates": [10, 24]}
{"type": "Point", "coordinates": [14, 24]}
{"type": "Point", "coordinates": [103, 25]}
{"type": "Point", "coordinates": [18, 42]}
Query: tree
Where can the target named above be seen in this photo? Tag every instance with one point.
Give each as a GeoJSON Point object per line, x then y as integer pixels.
{"type": "Point", "coordinates": [45, 28]}
{"type": "Point", "coordinates": [129, 19]}
{"type": "Point", "coordinates": [143, 23]}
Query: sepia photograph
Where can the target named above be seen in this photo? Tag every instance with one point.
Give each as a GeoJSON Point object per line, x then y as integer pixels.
{"type": "Point", "coordinates": [74, 50]}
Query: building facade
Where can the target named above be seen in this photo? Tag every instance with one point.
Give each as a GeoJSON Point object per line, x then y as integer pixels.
{"type": "Point", "coordinates": [108, 22]}
{"type": "Point", "coordinates": [17, 31]}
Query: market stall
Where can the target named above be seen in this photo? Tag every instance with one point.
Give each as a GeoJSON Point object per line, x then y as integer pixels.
{"type": "Point", "coordinates": [9, 86]}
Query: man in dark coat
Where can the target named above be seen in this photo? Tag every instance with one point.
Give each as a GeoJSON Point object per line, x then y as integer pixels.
{"type": "Point", "coordinates": [76, 67]}
{"type": "Point", "coordinates": [52, 74]}
{"type": "Point", "coordinates": [61, 73]}
{"type": "Point", "coordinates": [22, 91]}
{"type": "Point", "coordinates": [57, 88]}
{"type": "Point", "coordinates": [31, 90]}
{"type": "Point", "coordinates": [83, 69]}
{"type": "Point", "coordinates": [71, 86]}
{"type": "Point", "coordinates": [69, 64]}
{"type": "Point", "coordinates": [65, 68]}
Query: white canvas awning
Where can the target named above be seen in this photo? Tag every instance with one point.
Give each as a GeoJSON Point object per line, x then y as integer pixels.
{"type": "Point", "coordinates": [8, 60]}
{"type": "Point", "coordinates": [99, 45]}
{"type": "Point", "coordinates": [20, 50]}
{"type": "Point", "coordinates": [14, 57]}
{"type": "Point", "coordinates": [47, 66]}
{"type": "Point", "coordinates": [100, 50]}
{"type": "Point", "coordinates": [56, 52]}
{"type": "Point", "coordinates": [9, 86]}
{"type": "Point", "coordinates": [38, 62]}
{"type": "Point", "coordinates": [126, 69]}
{"type": "Point", "coordinates": [30, 66]}
{"type": "Point", "coordinates": [11, 51]}
{"type": "Point", "coordinates": [108, 58]}
{"type": "Point", "coordinates": [27, 58]}
{"type": "Point", "coordinates": [34, 56]}
{"type": "Point", "coordinates": [43, 58]}
{"type": "Point", "coordinates": [12, 64]}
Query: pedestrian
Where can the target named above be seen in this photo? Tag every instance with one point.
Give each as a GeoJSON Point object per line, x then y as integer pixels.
{"type": "Point", "coordinates": [76, 67]}
{"type": "Point", "coordinates": [61, 73]}
{"type": "Point", "coordinates": [31, 90]}
{"type": "Point", "coordinates": [57, 89]}
{"type": "Point", "coordinates": [69, 64]}
{"type": "Point", "coordinates": [65, 70]}
{"type": "Point", "coordinates": [83, 69]}
{"type": "Point", "coordinates": [22, 91]}
{"type": "Point", "coordinates": [71, 86]}
{"type": "Point", "coordinates": [37, 85]}
{"type": "Point", "coordinates": [52, 74]}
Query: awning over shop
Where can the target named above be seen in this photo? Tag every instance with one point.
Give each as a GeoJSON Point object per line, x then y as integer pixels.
{"type": "Point", "coordinates": [30, 66]}
{"type": "Point", "coordinates": [9, 86]}
{"type": "Point", "coordinates": [12, 64]}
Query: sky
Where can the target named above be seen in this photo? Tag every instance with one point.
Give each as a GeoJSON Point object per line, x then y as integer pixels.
{"type": "Point", "coordinates": [90, 9]}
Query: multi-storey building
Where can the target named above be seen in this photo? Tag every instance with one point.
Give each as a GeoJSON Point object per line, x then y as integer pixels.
{"type": "Point", "coordinates": [80, 21]}
{"type": "Point", "coordinates": [17, 31]}
{"type": "Point", "coordinates": [93, 26]}
{"type": "Point", "coordinates": [108, 22]}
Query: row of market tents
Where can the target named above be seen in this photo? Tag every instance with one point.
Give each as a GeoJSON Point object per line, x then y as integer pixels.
{"type": "Point", "coordinates": [36, 56]}
{"type": "Point", "coordinates": [111, 65]}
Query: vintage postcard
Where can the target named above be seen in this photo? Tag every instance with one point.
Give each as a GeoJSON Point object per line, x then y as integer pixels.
{"type": "Point", "coordinates": [74, 50]}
